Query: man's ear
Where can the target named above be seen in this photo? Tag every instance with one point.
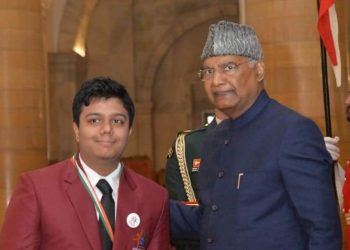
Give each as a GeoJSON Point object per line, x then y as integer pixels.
{"type": "Point", "coordinates": [76, 131]}
{"type": "Point", "coordinates": [260, 71]}
{"type": "Point", "coordinates": [130, 131]}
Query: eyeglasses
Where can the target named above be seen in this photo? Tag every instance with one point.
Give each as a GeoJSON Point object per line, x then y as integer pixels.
{"type": "Point", "coordinates": [225, 68]}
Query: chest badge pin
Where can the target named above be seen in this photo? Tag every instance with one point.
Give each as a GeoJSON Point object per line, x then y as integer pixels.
{"type": "Point", "coordinates": [133, 220]}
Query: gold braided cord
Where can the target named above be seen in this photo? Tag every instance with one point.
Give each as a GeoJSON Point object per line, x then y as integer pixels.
{"type": "Point", "coordinates": [180, 149]}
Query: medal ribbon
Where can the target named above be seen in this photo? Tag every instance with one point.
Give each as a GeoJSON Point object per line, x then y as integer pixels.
{"type": "Point", "coordinates": [91, 191]}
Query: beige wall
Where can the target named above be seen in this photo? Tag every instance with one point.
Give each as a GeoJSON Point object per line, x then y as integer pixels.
{"type": "Point", "coordinates": [144, 46]}
{"type": "Point", "coordinates": [23, 140]}
{"type": "Point", "coordinates": [154, 50]}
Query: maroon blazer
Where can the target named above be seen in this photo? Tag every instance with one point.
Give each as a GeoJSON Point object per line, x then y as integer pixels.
{"type": "Point", "coordinates": [50, 209]}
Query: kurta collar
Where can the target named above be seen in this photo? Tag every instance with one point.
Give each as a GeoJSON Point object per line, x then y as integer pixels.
{"type": "Point", "coordinates": [258, 106]}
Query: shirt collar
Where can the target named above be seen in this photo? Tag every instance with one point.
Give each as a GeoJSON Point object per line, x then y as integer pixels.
{"type": "Point", "coordinates": [94, 177]}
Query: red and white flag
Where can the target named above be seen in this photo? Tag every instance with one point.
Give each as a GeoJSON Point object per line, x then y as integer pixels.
{"type": "Point", "coordinates": [328, 27]}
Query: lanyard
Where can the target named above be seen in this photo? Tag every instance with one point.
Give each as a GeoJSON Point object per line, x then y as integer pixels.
{"type": "Point", "coordinates": [89, 188]}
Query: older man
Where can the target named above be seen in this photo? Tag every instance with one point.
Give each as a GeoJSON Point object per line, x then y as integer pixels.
{"type": "Point", "coordinates": [265, 178]}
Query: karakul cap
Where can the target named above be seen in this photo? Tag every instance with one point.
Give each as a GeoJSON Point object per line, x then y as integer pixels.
{"type": "Point", "coordinates": [229, 38]}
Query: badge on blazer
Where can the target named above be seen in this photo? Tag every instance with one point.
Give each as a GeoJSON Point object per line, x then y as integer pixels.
{"type": "Point", "coordinates": [196, 164]}
{"type": "Point", "coordinates": [140, 239]}
{"type": "Point", "coordinates": [133, 220]}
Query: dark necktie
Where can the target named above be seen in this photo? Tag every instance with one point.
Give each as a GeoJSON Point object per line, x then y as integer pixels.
{"type": "Point", "coordinates": [108, 205]}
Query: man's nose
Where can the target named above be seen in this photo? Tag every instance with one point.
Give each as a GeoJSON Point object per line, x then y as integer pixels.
{"type": "Point", "coordinates": [106, 128]}
{"type": "Point", "coordinates": [218, 77]}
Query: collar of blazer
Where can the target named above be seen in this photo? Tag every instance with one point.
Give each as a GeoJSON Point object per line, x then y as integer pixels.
{"type": "Point", "coordinates": [85, 210]}
{"type": "Point", "coordinates": [72, 176]}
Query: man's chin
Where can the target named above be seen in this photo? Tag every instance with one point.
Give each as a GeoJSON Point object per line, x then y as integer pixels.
{"type": "Point", "coordinates": [225, 103]}
{"type": "Point", "coordinates": [109, 156]}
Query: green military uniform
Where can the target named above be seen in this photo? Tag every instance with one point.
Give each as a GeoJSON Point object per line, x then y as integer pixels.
{"type": "Point", "coordinates": [181, 172]}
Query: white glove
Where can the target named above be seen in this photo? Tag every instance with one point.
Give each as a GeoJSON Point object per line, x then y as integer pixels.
{"type": "Point", "coordinates": [332, 147]}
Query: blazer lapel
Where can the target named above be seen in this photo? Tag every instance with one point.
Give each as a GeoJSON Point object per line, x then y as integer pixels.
{"type": "Point", "coordinates": [125, 235]}
{"type": "Point", "coordinates": [83, 206]}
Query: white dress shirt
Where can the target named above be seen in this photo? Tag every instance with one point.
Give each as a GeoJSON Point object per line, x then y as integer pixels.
{"type": "Point", "coordinates": [112, 179]}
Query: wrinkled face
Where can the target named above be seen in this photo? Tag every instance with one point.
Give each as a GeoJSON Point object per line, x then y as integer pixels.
{"type": "Point", "coordinates": [347, 103]}
{"type": "Point", "coordinates": [103, 131]}
{"type": "Point", "coordinates": [235, 83]}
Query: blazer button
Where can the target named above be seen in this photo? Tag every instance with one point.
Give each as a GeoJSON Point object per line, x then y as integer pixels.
{"type": "Point", "coordinates": [210, 240]}
{"type": "Point", "coordinates": [227, 141]}
{"type": "Point", "coordinates": [214, 208]}
{"type": "Point", "coordinates": [220, 174]}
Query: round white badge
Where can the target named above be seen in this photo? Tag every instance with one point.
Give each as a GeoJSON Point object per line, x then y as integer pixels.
{"type": "Point", "coordinates": [133, 220]}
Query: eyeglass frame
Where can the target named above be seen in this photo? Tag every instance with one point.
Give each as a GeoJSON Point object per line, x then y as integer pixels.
{"type": "Point", "coordinates": [223, 69]}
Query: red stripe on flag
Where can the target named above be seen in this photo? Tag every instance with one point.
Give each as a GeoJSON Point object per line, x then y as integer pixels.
{"type": "Point", "coordinates": [328, 29]}
{"type": "Point", "coordinates": [324, 28]}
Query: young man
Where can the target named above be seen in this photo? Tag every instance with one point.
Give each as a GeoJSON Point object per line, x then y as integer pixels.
{"type": "Point", "coordinates": [90, 201]}
{"type": "Point", "coordinates": [265, 176]}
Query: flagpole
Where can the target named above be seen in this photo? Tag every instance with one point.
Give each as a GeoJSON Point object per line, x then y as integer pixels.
{"type": "Point", "coordinates": [327, 110]}
{"type": "Point", "coordinates": [326, 105]}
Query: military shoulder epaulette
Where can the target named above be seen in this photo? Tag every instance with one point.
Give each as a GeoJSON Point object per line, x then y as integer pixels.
{"type": "Point", "coordinates": [171, 150]}
{"type": "Point", "coordinates": [184, 131]}
{"type": "Point", "coordinates": [187, 132]}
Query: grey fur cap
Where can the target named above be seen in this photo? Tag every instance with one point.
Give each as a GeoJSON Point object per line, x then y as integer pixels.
{"type": "Point", "coordinates": [229, 38]}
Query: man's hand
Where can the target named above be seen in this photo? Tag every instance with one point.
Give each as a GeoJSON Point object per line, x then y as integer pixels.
{"type": "Point", "coordinates": [347, 218]}
{"type": "Point", "coordinates": [332, 147]}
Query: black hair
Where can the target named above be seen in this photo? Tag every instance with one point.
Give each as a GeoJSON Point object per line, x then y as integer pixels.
{"type": "Point", "coordinates": [101, 87]}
